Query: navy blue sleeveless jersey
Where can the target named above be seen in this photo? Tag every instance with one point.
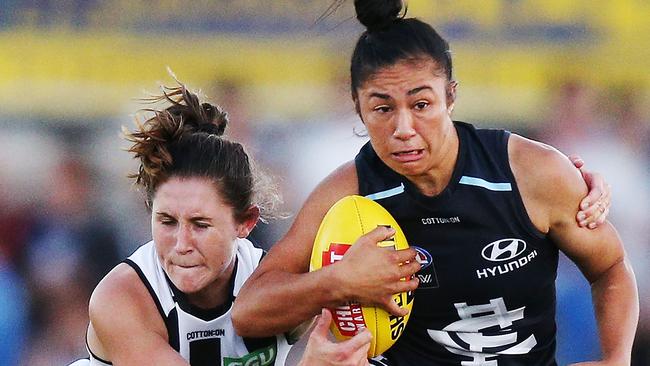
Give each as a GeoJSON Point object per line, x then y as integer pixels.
{"type": "Point", "coordinates": [487, 283]}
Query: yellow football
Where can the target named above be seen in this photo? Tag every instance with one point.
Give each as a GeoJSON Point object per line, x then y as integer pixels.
{"type": "Point", "coordinates": [347, 220]}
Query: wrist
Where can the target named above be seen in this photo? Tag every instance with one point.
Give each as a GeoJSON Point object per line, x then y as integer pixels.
{"type": "Point", "coordinates": [334, 285]}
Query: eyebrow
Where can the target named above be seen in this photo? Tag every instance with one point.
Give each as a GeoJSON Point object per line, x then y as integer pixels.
{"type": "Point", "coordinates": [380, 96]}
{"type": "Point", "coordinates": [193, 218]}
{"type": "Point", "coordinates": [418, 89]}
{"type": "Point", "coordinates": [410, 92]}
{"type": "Point", "coordinates": [200, 218]}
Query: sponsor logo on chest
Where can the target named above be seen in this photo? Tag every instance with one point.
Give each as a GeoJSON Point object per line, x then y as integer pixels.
{"type": "Point", "coordinates": [440, 220]}
{"type": "Point", "coordinates": [262, 357]}
{"type": "Point", "coordinates": [427, 274]}
{"type": "Point", "coordinates": [202, 334]}
{"type": "Point", "coordinates": [505, 255]}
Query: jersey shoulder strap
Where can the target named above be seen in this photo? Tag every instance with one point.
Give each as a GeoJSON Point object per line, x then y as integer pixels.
{"type": "Point", "coordinates": [145, 263]}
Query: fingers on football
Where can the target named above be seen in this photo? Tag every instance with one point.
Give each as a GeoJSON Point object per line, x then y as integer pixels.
{"type": "Point", "coordinates": [409, 268]}
{"type": "Point", "coordinates": [404, 255]}
{"type": "Point", "coordinates": [391, 306]}
{"type": "Point", "coordinates": [407, 285]}
{"type": "Point", "coordinates": [378, 234]}
{"type": "Point", "coordinates": [402, 264]}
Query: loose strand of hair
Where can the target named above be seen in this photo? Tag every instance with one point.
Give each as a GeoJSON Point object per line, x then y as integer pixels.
{"type": "Point", "coordinates": [331, 9]}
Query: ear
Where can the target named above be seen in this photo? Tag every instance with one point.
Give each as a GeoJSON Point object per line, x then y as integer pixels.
{"type": "Point", "coordinates": [451, 95]}
{"type": "Point", "coordinates": [251, 216]}
{"type": "Point", "coordinates": [357, 108]}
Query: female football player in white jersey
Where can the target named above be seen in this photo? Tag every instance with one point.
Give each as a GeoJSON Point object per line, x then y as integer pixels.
{"type": "Point", "coordinates": [169, 303]}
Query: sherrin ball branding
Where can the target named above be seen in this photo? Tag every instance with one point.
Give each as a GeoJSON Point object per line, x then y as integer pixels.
{"type": "Point", "coordinates": [347, 220]}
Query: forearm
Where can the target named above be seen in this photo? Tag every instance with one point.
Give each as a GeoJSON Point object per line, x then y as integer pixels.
{"type": "Point", "coordinates": [279, 301]}
{"type": "Point", "coordinates": [616, 305]}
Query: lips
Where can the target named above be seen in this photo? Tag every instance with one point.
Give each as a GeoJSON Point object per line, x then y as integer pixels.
{"type": "Point", "coordinates": [408, 155]}
{"type": "Point", "coordinates": [185, 265]}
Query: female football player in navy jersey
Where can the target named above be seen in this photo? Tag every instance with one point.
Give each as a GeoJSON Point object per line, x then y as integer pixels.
{"type": "Point", "coordinates": [486, 212]}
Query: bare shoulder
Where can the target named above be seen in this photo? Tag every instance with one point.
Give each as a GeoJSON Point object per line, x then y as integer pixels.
{"type": "Point", "coordinates": [550, 185]}
{"type": "Point", "coordinates": [293, 250]}
{"type": "Point", "coordinates": [341, 182]}
{"type": "Point", "coordinates": [120, 290]}
{"type": "Point", "coordinates": [121, 305]}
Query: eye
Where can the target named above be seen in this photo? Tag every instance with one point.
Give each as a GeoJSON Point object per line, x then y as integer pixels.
{"type": "Point", "coordinates": [421, 105]}
{"type": "Point", "coordinates": [167, 221]}
{"type": "Point", "coordinates": [382, 109]}
{"type": "Point", "coordinates": [202, 225]}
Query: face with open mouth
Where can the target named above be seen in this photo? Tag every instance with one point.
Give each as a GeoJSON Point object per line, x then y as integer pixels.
{"type": "Point", "coordinates": [406, 110]}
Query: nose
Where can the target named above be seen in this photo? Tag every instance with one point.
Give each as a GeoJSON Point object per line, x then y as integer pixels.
{"type": "Point", "coordinates": [184, 239]}
{"type": "Point", "coordinates": [404, 128]}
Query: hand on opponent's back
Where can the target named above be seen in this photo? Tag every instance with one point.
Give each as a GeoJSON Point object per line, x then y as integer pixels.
{"type": "Point", "coordinates": [594, 208]}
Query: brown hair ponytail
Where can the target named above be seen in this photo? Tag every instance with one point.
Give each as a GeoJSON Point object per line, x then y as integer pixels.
{"type": "Point", "coordinates": [185, 139]}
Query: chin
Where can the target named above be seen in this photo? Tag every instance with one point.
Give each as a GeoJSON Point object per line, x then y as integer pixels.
{"type": "Point", "coordinates": [187, 284]}
{"type": "Point", "coordinates": [190, 288]}
{"type": "Point", "coordinates": [409, 169]}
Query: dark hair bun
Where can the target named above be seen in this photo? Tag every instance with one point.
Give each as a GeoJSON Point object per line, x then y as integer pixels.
{"type": "Point", "coordinates": [196, 116]}
{"type": "Point", "coordinates": [214, 119]}
{"type": "Point", "coordinates": [377, 14]}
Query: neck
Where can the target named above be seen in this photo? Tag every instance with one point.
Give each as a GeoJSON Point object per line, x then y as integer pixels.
{"type": "Point", "coordinates": [436, 179]}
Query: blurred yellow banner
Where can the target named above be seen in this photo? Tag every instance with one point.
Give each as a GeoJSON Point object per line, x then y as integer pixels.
{"type": "Point", "coordinates": [110, 51]}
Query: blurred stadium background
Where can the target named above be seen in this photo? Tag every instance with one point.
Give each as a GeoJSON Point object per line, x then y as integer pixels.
{"type": "Point", "coordinates": [573, 73]}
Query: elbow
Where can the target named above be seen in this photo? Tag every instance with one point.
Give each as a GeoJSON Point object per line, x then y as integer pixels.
{"type": "Point", "coordinates": [618, 268]}
{"type": "Point", "coordinates": [239, 316]}
{"type": "Point", "coordinates": [250, 323]}
{"type": "Point", "coordinates": [246, 322]}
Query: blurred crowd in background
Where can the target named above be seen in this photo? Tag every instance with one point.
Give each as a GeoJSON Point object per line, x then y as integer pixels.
{"type": "Point", "coordinates": [566, 72]}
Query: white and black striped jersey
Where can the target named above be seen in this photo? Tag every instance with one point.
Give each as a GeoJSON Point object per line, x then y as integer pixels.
{"type": "Point", "coordinates": [205, 337]}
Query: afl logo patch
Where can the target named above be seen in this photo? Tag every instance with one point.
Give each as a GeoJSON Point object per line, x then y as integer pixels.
{"type": "Point", "coordinates": [423, 257]}
{"type": "Point", "coordinates": [503, 250]}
